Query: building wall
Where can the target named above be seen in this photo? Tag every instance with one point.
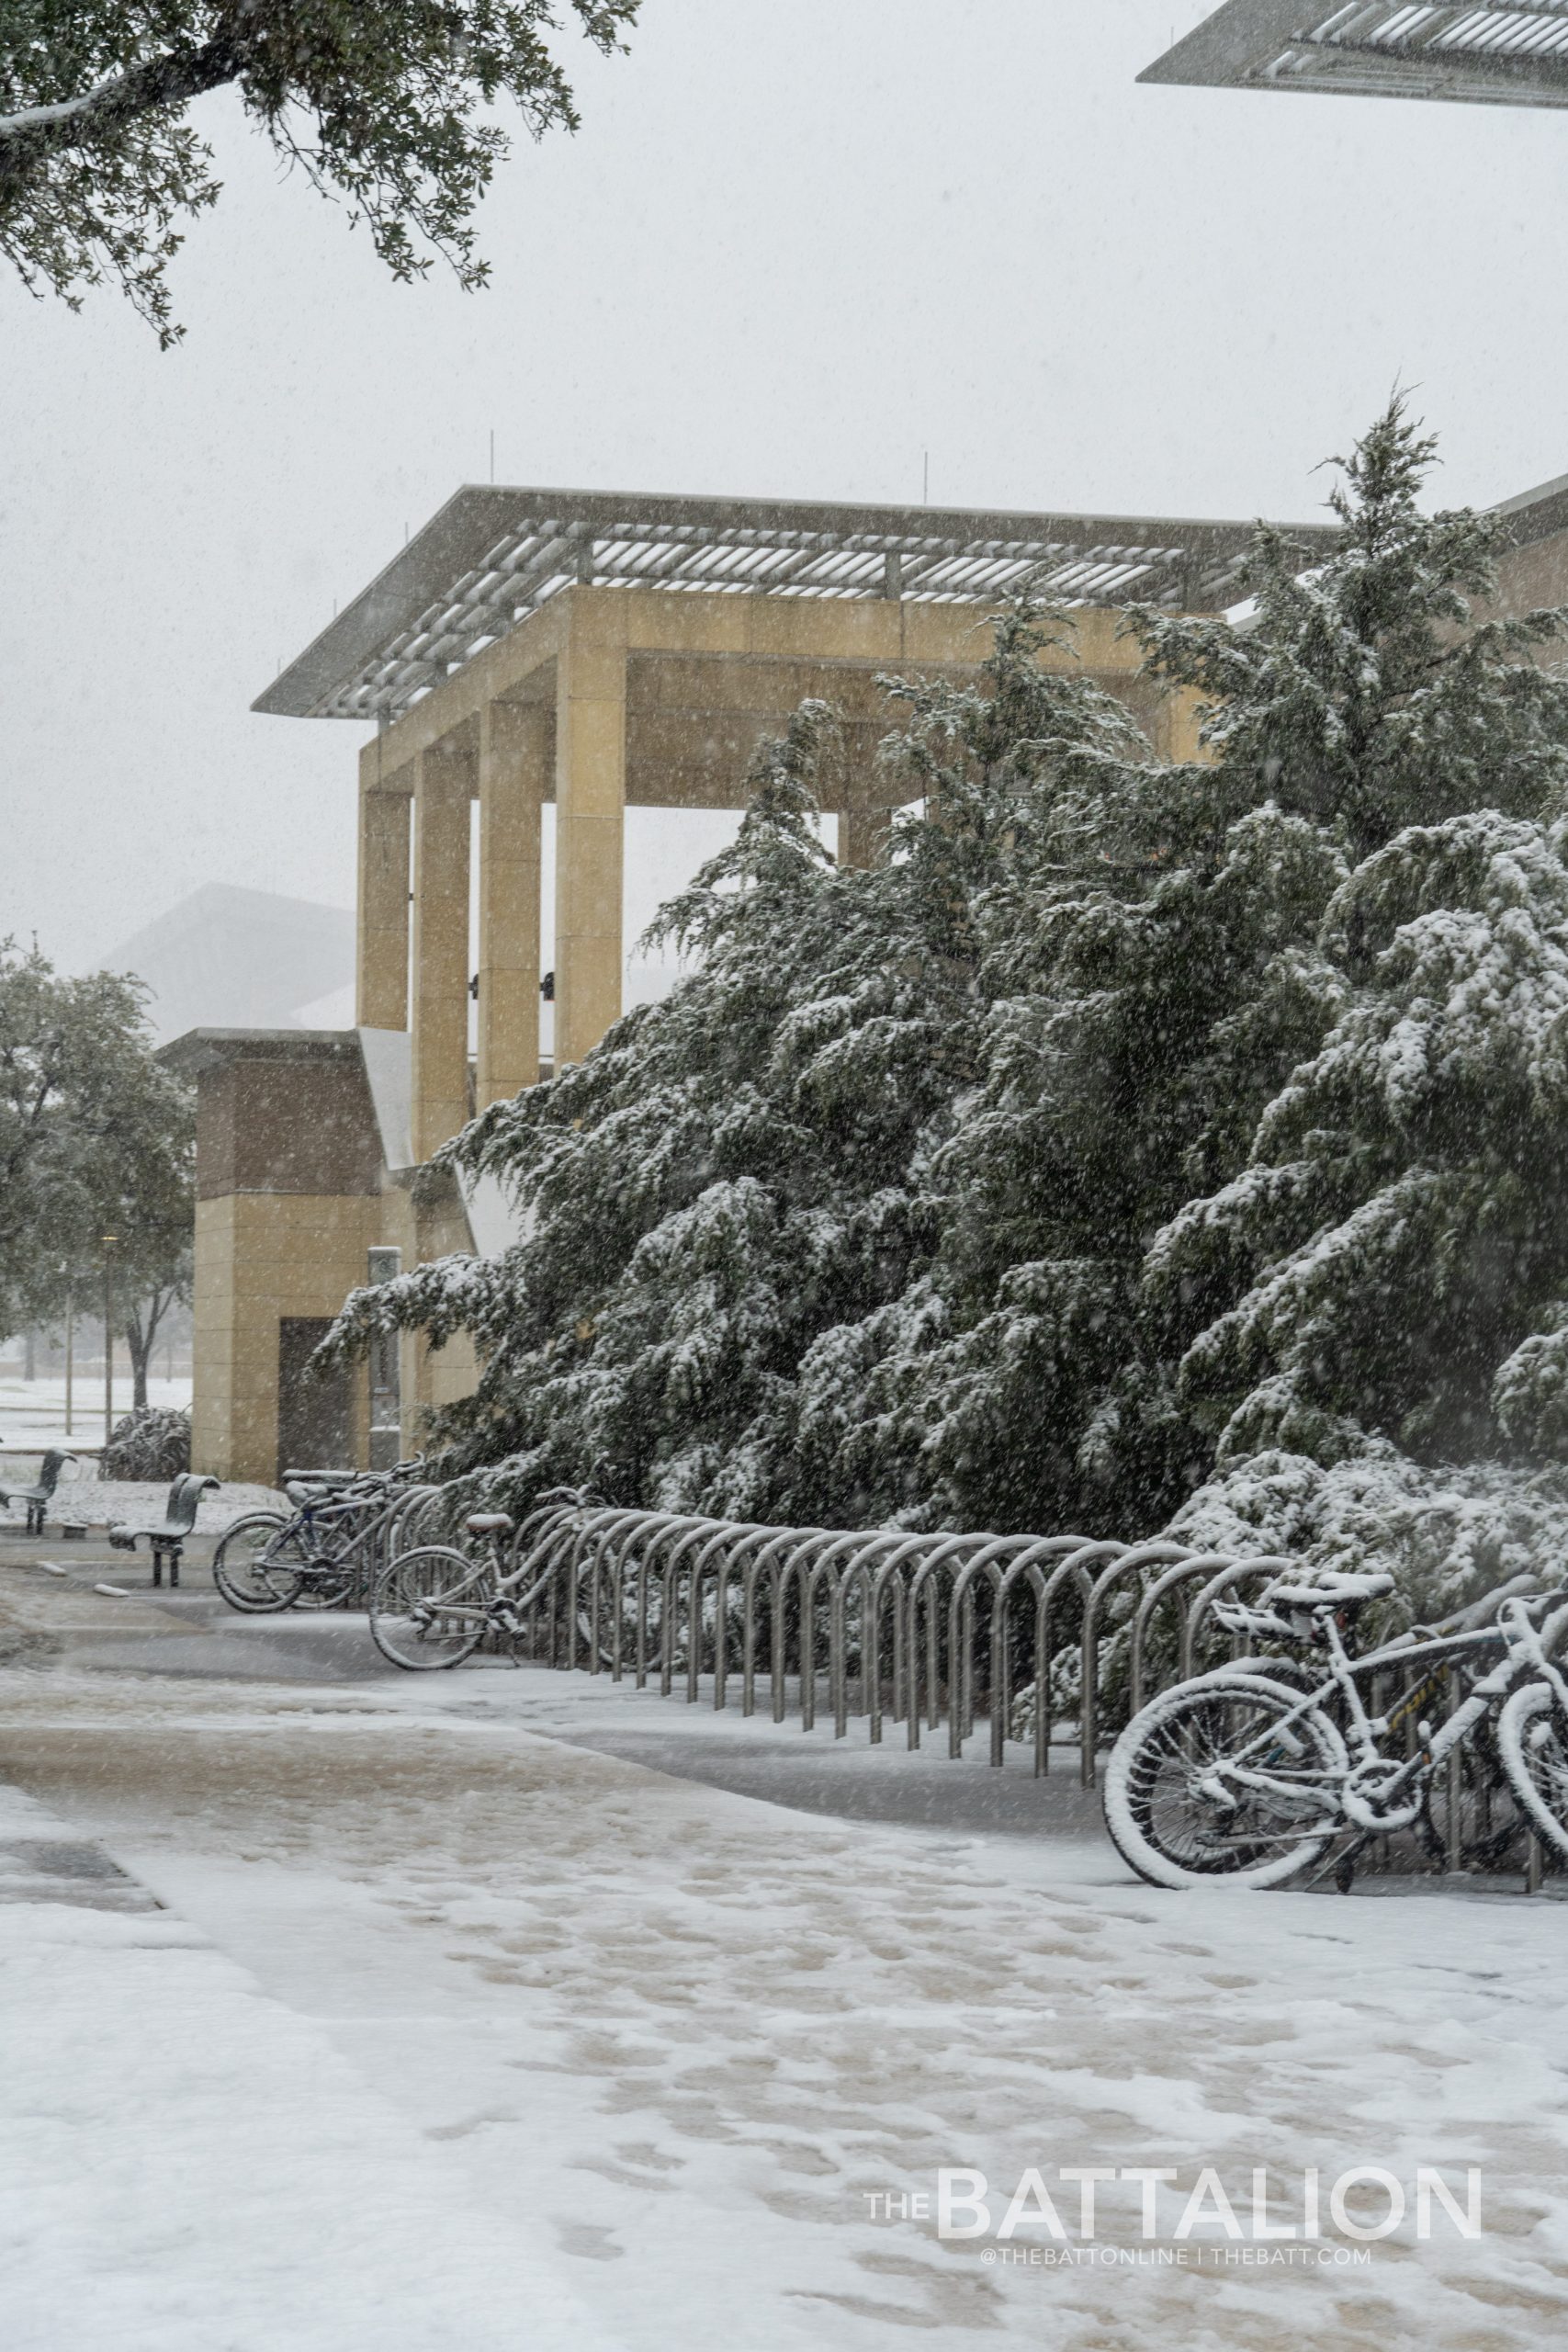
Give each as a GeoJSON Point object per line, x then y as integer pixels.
{"type": "Point", "coordinates": [259, 1257]}
{"type": "Point", "coordinates": [1533, 576]}
{"type": "Point", "coordinates": [289, 1201]}
{"type": "Point", "coordinates": [285, 1127]}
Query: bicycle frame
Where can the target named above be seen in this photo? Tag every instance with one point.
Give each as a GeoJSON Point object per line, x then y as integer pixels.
{"type": "Point", "coordinates": [1375, 1805]}
{"type": "Point", "coordinates": [501, 1587]}
{"type": "Point", "coordinates": [314, 1520]}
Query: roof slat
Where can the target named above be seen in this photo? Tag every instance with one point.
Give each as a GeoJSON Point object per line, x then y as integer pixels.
{"type": "Point", "coordinates": [492, 555]}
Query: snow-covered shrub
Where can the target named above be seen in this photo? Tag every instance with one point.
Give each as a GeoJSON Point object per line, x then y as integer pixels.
{"type": "Point", "coordinates": [152, 1443]}
{"type": "Point", "coordinates": [1449, 1534]}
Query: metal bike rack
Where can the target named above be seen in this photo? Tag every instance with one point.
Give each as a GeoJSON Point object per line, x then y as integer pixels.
{"type": "Point", "coordinates": [923, 1627]}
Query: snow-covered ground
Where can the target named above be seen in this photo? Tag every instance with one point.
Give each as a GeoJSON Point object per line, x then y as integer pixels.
{"type": "Point", "coordinates": [187, 2164]}
{"type": "Point", "coordinates": [32, 1417]}
{"type": "Point", "coordinates": [99, 1503]}
{"type": "Point", "coordinates": [32, 1412]}
{"type": "Point", "coordinates": [686, 2043]}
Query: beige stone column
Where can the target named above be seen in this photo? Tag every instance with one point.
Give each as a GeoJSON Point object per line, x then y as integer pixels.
{"type": "Point", "coordinates": [1176, 728]}
{"type": "Point", "coordinates": [515, 746]}
{"type": "Point", "coordinates": [862, 833]}
{"type": "Point", "coordinates": [381, 979]}
{"type": "Point", "coordinates": [440, 1007]}
{"type": "Point", "coordinates": [591, 763]}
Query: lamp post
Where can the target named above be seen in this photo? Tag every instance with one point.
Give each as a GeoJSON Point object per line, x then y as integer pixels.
{"type": "Point", "coordinates": [109, 1240]}
{"type": "Point", "coordinates": [70, 1353]}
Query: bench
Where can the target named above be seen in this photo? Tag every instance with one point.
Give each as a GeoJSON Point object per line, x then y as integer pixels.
{"type": "Point", "coordinates": [37, 1498]}
{"type": "Point", "coordinates": [167, 1541]}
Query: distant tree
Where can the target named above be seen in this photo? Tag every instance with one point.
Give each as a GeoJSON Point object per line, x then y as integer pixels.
{"type": "Point", "coordinates": [381, 103]}
{"type": "Point", "coordinates": [95, 1138]}
{"type": "Point", "coordinates": [151, 1204]}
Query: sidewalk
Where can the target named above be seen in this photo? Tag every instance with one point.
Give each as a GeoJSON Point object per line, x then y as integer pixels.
{"type": "Point", "coordinates": [186, 2166]}
{"type": "Point", "coordinates": [689, 2050]}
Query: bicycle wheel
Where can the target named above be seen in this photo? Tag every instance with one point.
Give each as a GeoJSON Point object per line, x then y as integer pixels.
{"type": "Point", "coordinates": [408, 1624]}
{"type": "Point", "coordinates": [256, 1564]}
{"type": "Point", "coordinates": [1532, 1736]}
{"type": "Point", "coordinates": [1210, 1780]}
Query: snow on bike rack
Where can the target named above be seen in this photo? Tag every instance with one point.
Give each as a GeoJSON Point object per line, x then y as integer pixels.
{"type": "Point", "coordinates": [923, 1629]}
{"type": "Point", "coordinates": [916, 1629]}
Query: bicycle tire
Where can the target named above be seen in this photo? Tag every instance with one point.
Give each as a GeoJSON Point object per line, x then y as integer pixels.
{"type": "Point", "coordinates": [1532, 1737]}
{"type": "Point", "coordinates": [253, 1589]}
{"type": "Point", "coordinates": [1143, 1810]}
{"type": "Point", "coordinates": [415, 1581]}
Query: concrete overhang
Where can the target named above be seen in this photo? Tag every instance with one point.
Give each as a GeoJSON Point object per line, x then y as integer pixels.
{"type": "Point", "coordinates": [200, 1050]}
{"type": "Point", "coordinates": [385, 1057]}
{"type": "Point", "coordinates": [492, 555]}
{"type": "Point", "coordinates": [1509, 52]}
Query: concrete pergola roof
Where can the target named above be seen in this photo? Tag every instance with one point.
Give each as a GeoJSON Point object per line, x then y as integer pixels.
{"type": "Point", "coordinates": [1507, 54]}
{"type": "Point", "coordinates": [492, 555]}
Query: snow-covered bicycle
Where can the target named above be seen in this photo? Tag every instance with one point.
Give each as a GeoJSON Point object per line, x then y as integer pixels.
{"type": "Point", "coordinates": [312, 1557]}
{"type": "Point", "coordinates": [1245, 1775]}
{"type": "Point", "coordinates": [432, 1607]}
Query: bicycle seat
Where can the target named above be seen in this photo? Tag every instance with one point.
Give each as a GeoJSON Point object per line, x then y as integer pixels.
{"type": "Point", "coordinates": [1327, 1589]}
{"type": "Point", "coordinates": [1293, 1608]}
{"type": "Point", "coordinates": [489, 1522]}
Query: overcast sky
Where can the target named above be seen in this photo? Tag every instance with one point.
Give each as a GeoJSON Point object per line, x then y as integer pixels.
{"type": "Point", "coordinates": [795, 245]}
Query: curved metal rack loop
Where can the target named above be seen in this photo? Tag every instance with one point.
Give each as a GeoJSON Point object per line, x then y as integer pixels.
{"type": "Point", "coordinates": [911, 1625]}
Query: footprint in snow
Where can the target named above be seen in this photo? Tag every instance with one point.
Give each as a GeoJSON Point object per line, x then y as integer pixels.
{"type": "Point", "coordinates": [588, 2240]}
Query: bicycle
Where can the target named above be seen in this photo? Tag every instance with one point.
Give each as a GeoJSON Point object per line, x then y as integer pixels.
{"type": "Point", "coordinates": [1242, 1774]}
{"type": "Point", "coordinates": [267, 1561]}
{"type": "Point", "coordinates": [432, 1607]}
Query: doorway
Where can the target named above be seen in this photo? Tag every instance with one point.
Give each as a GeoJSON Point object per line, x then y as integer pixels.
{"type": "Point", "coordinates": [315, 1412]}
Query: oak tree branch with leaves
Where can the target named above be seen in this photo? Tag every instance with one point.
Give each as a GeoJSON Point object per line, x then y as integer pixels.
{"type": "Point", "coordinates": [388, 105]}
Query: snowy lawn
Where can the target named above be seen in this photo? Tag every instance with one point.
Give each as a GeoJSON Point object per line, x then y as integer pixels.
{"type": "Point", "coordinates": [107, 1502]}
{"type": "Point", "coordinates": [32, 1412]}
{"type": "Point", "coordinates": [680, 2037]}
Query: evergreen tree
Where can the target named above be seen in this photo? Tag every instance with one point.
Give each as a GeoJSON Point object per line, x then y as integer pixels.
{"type": "Point", "coordinates": [1402, 1227]}
{"type": "Point", "coordinates": [728, 1176]}
{"type": "Point", "coordinates": [1144, 990]}
{"type": "Point", "coordinates": [1129, 1117]}
{"type": "Point", "coordinates": [1154, 977]}
{"type": "Point", "coordinates": [1382, 1285]}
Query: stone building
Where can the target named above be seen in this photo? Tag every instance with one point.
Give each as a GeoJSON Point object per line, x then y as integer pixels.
{"type": "Point", "coordinates": [599, 652]}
